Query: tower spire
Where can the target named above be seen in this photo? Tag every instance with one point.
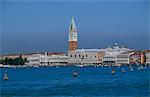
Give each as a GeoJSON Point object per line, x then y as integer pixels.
{"type": "Point", "coordinates": [73, 27]}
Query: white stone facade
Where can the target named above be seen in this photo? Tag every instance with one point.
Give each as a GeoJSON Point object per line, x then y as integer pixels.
{"type": "Point", "coordinates": [58, 59]}
{"type": "Point", "coordinates": [46, 60]}
{"type": "Point", "coordinates": [147, 57]}
{"type": "Point", "coordinates": [83, 56]}
{"type": "Point", "coordinates": [114, 55]}
{"type": "Point", "coordinates": [123, 59]}
{"type": "Point", "coordinates": [35, 59]}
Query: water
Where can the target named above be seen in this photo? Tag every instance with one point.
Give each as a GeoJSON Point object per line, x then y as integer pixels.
{"type": "Point", "coordinates": [90, 82]}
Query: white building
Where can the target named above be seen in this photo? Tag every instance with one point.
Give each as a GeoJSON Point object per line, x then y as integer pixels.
{"type": "Point", "coordinates": [35, 59]}
{"type": "Point", "coordinates": [47, 60]}
{"type": "Point", "coordinates": [85, 56]}
{"type": "Point", "coordinates": [147, 54]}
{"type": "Point", "coordinates": [123, 58]}
{"type": "Point", "coordinates": [110, 55]}
{"type": "Point", "coordinates": [114, 55]}
{"type": "Point", "coordinates": [57, 60]}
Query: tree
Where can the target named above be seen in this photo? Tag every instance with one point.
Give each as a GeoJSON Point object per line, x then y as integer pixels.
{"type": "Point", "coordinates": [2, 61]}
{"type": "Point", "coordinates": [15, 61]}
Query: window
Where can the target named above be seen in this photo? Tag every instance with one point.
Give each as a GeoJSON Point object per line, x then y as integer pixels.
{"type": "Point", "coordinates": [74, 55]}
{"type": "Point", "coordinates": [79, 55]}
{"type": "Point", "coordinates": [70, 55]}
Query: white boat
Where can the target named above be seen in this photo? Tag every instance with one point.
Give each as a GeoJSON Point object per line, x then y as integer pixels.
{"type": "Point", "coordinates": [131, 69]}
{"type": "Point", "coordinates": [5, 76]}
{"type": "Point", "coordinates": [118, 66]}
{"type": "Point", "coordinates": [113, 71]}
{"type": "Point", "coordinates": [139, 68]}
{"type": "Point", "coordinates": [75, 73]}
{"type": "Point", "coordinates": [142, 67]}
{"type": "Point", "coordinates": [80, 66]}
{"type": "Point", "coordinates": [1, 65]}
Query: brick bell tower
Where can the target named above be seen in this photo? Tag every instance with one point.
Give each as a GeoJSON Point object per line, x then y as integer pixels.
{"type": "Point", "coordinates": [73, 36]}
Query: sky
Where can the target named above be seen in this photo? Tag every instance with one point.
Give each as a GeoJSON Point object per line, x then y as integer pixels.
{"type": "Point", "coordinates": [38, 26]}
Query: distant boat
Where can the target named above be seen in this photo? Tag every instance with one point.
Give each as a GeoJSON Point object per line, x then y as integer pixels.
{"type": "Point", "coordinates": [80, 66]}
{"type": "Point", "coordinates": [145, 67]}
{"type": "Point", "coordinates": [118, 66]}
{"type": "Point", "coordinates": [57, 66]}
{"type": "Point", "coordinates": [131, 69]}
{"type": "Point", "coordinates": [75, 73]}
{"type": "Point", "coordinates": [5, 76]}
{"type": "Point", "coordinates": [113, 71]}
{"type": "Point", "coordinates": [1, 65]}
{"type": "Point", "coordinates": [123, 70]}
{"type": "Point", "coordinates": [140, 68]}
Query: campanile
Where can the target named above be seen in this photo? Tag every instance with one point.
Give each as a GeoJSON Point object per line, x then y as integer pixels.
{"type": "Point", "coordinates": [73, 36]}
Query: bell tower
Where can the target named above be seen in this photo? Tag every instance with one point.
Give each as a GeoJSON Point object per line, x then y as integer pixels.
{"type": "Point", "coordinates": [73, 36]}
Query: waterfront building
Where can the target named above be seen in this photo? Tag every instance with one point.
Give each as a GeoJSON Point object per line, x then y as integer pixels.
{"type": "Point", "coordinates": [138, 57]}
{"type": "Point", "coordinates": [116, 55]}
{"type": "Point", "coordinates": [143, 58]}
{"type": "Point", "coordinates": [100, 55]}
{"type": "Point", "coordinates": [73, 36]}
{"type": "Point", "coordinates": [123, 58]}
{"type": "Point", "coordinates": [109, 56]}
{"type": "Point", "coordinates": [85, 56]}
{"type": "Point", "coordinates": [48, 59]}
{"type": "Point", "coordinates": [147, 54]}
{"type": "Point", "coordinates": [35, 59]}
{"type": "Point", "coordinates": [57, 60]}
{"type": "Point", "coordinates": [135, 58]}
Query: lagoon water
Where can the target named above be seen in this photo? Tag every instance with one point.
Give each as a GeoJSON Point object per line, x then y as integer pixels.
{"type": "Point", "coordinates": [90, 82]}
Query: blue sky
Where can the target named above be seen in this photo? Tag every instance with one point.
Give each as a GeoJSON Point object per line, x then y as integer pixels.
{"type": "Point", "coordinates": [32, 26]}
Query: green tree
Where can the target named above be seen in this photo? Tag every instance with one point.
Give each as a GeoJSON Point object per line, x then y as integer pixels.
{"type": "Point", "coordinates": [2, 61]}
